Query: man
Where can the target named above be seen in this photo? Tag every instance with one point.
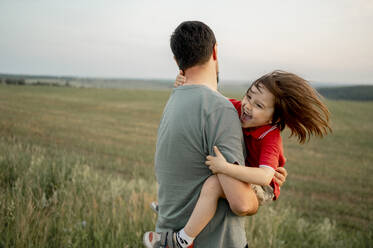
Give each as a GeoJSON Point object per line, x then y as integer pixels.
{"type": "Point", "coordinates": [195, 119]}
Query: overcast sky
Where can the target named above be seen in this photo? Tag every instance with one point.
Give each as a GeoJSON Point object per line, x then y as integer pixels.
{"type": "Point", "coordinates": [327, 41]}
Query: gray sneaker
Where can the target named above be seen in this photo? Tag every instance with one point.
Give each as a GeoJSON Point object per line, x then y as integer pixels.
{"type": "Point", "coordinates": [160, 240]}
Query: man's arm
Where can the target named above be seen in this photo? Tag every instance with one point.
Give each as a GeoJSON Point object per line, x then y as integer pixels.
{"type": "Point", "coordinates": [242, 199]}
{"type": "Point", "coordinates": [223, 129]}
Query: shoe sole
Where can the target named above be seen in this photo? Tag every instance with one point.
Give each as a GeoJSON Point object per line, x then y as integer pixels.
{"type": "Point", "coordinates": [145, 241]}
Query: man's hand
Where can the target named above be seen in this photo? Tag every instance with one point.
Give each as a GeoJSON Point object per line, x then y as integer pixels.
{"type": "Point", "coordinates": [180, 79]}
{"type": "Point", "coordinates": [216, 164]}
{"type": "Point", "coordinates": [280, 175]}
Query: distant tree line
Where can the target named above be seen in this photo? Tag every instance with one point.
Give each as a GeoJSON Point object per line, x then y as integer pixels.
{"type": "Point", "coordinates": [22, 81]}
{"type": "Point", "coordinates": [14, 81]}
{"type": "Point", "coordinates": [355, 93]}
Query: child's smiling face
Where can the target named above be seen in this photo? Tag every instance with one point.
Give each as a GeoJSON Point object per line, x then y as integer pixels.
{"type": "Point", "coordinates": [257, 107]}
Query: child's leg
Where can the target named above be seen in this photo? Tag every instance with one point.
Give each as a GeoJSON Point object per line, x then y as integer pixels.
{"type": "Point", "coordinates": [203, 212]}
{"type": "Point", "coordinates": [154, 205]}
{"type": "Point", "coordinates": [205, 208]}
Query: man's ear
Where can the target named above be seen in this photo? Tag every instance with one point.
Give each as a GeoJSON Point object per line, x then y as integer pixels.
{"type": "Point", "coordinates": [215, 52]}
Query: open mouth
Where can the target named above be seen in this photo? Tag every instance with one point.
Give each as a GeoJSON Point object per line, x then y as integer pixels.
{"type": "Point", "coordinates": [246, 117]}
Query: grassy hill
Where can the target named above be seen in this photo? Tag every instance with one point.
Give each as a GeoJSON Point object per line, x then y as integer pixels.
{"type": "Point", "coordinates": [76, 170]}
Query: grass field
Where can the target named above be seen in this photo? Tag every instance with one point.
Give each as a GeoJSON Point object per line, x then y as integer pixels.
{"type": "Point", "coordinates": [76, 170]}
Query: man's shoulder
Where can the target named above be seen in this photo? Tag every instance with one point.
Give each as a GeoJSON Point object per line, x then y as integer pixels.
{"type": "Point", "coordinates": [201, 89]}
{"type": "Point", "coordinates": [200, 94]}
{"type": "Point", "coordinates": [236, 104]}
{"type": "Point", "coordinates": [219, 102]}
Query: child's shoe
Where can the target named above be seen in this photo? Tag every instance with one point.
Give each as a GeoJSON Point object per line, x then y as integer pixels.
{"type": "Point", "coordinates": [163, 239]}
{"type": "Point", "coordinates": [157, 240]}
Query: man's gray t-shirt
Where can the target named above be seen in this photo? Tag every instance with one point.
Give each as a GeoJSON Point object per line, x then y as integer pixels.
{"type": "Point", "coordinates": [194, 120]}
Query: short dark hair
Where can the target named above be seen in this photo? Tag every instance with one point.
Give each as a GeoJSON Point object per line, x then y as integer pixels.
{"type": "Point", "coordinates": [192, 44]}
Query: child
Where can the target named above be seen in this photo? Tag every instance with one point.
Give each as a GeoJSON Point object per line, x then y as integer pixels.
{"type": "Point", "coordinates": [273, 102]}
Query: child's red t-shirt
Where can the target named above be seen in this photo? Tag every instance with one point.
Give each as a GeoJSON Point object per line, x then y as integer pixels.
{"type": "Point", "coordinates": [263, 147]}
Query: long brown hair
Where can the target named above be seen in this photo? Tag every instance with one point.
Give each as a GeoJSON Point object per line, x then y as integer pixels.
{"type": "Point", "coordinates": [297, 105]}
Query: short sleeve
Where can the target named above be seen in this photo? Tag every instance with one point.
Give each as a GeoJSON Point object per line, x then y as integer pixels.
{"type": "Point", "coordinates": [270, 150]}
{"type": "Point", "coordinates": [223, 129]}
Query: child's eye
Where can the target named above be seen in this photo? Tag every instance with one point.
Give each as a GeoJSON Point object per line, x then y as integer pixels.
{"type": "Point", "coordinates": [248, 97]}
{"type": "Point", "coordinates": [259, 106]}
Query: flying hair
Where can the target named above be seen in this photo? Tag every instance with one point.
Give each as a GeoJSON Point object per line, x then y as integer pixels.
{"type": "Point", "coordinates": [298, 106]}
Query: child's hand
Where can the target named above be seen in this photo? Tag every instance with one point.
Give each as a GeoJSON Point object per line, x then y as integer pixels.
{"type": "Point", "coordinates": [180, 79]}
{"type": "Point", "coordinates": [280, 175]}
{"type": "Point", "coordinates": [216, 164]}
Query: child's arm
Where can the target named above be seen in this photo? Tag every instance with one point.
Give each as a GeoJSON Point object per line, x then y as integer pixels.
{"type": "Point", "coordinates": [261, 176]}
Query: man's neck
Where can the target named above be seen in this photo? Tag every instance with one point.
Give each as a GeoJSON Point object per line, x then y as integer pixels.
{"type": "Point", "coordinates": [202, 75]}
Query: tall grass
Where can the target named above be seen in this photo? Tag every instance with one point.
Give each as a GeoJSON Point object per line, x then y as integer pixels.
{"type": "Point", "coordinates": [282, 226]}
{"type": "Point", "coordinates": [49, 198]}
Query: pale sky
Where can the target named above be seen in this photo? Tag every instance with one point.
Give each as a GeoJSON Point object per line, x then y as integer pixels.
{"type": "Point", "coordinates": [321, 40]}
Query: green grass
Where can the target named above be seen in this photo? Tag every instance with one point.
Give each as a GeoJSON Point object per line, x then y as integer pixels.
{"type": "Point", "coordinates": [76, 170]}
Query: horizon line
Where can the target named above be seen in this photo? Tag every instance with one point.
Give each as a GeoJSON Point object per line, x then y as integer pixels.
{"type": "Point", "coordinates": [234, 81]}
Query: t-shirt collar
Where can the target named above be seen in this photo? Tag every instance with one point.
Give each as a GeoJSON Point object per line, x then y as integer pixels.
{"type": "Point", "coordinates": [257, 132]}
